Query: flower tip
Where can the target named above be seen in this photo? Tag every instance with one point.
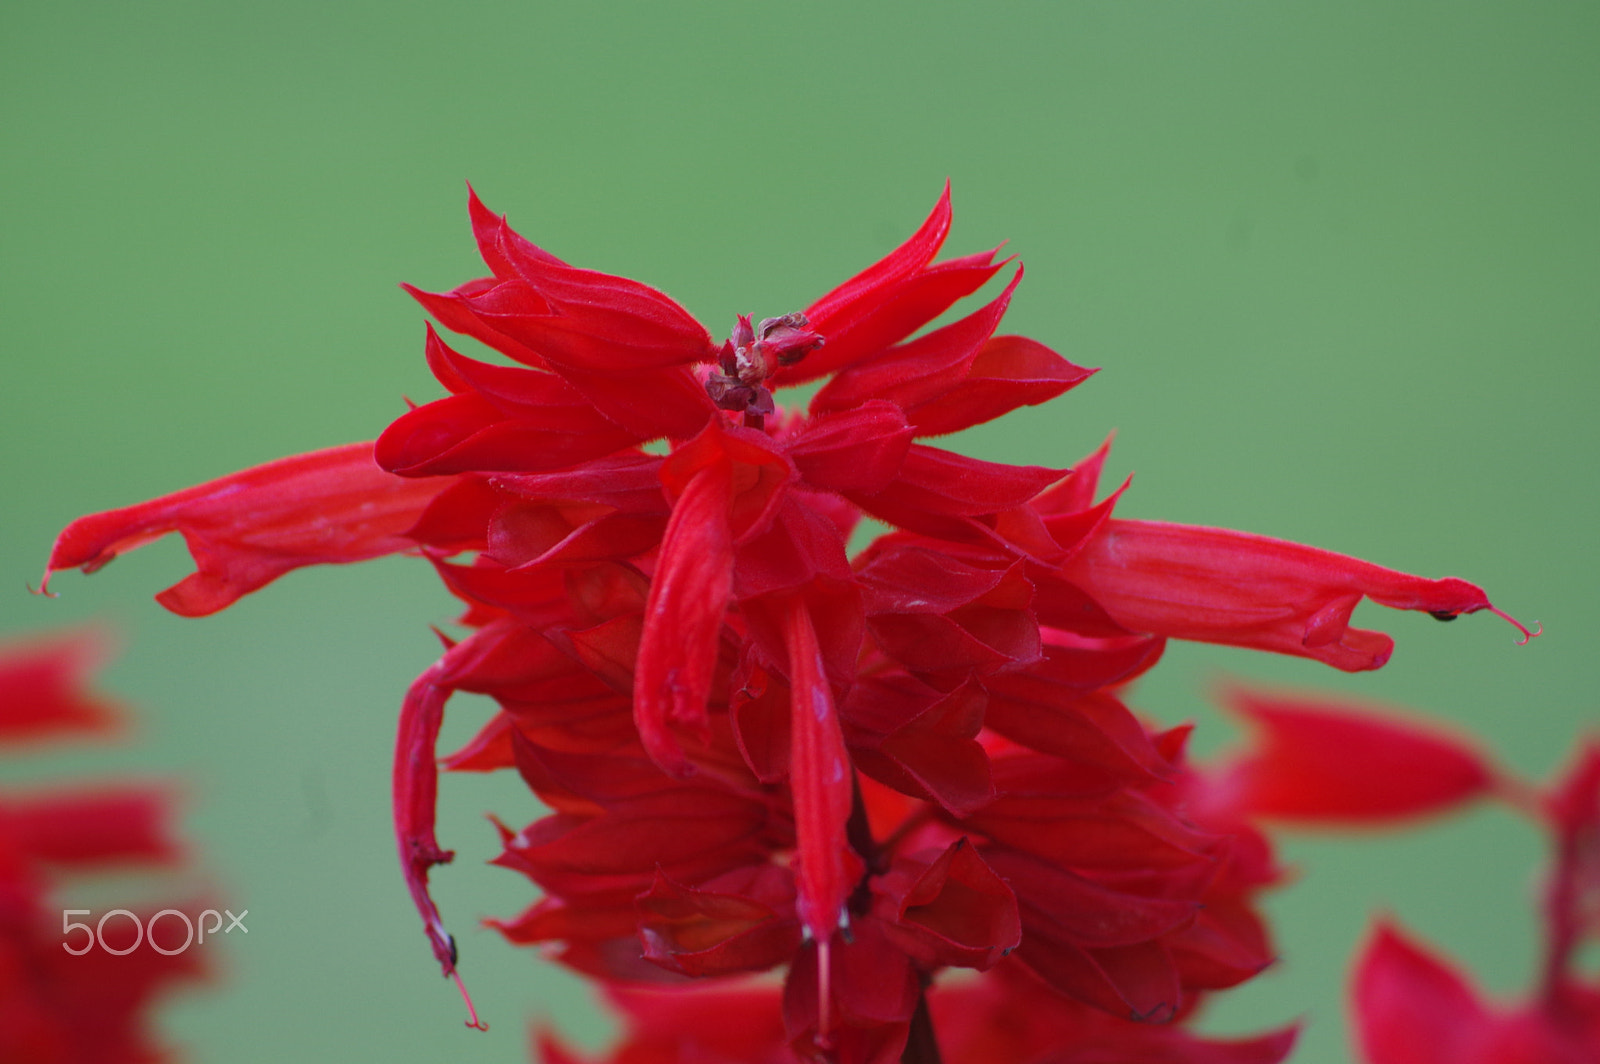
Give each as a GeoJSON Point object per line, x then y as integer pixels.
{"type": "Point", "coordinates": [1538, 629]}
{"type": "Point", "coordinates": [472, 1020]}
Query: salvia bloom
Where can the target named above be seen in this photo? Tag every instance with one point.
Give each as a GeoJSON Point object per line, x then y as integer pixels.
{"type": "Point", "coordinates": [1327, 762]}
{"type": "Point", "coordinates": [56, 1007]}
{"type": "Point", "coordinates": [761, 752]}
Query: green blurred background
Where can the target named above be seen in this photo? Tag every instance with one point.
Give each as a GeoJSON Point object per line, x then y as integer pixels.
{"type": "Point", "coordinates": [1339, 263]}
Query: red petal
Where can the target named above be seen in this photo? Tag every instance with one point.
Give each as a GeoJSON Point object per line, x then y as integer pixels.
{"type": "Point", "coordinates": [1009, 372]}
{"type": "Point", "coordinates": [1077, 491]}
{"type": "Point", "coordinates": [248, 529]}
{"type": "Point", "coordinates": [957, 911]}
{"type": "Point", "coordinates": [91, 828]}
{"type": "Point", "coordinates": [45, 681]}
{"type": "Point", "coordinates": [820, 779]}
{"type": "Point", "coordinates": [921, 370]}
{"type": "Point", "coordinates": [856, 450]}
{"type": "Point", "coordinates": [1064, 906]}
{"type": "Point", "coordinates": [1411, 1008]}
{"type": "Point", "coordinates": [688, 598]}
{"type": "Point", "coordinates": [707, 932]}
{"type": "Point", "coordinates": [1321, 759]}
{"type": "Point", "coordinates": [864, 330]}
{"type": "Point", "coordinates": [1136, 982]}
{"type": "Point", "coordinates": [905, 260]}
{"type": "Point", "coordinates": [1053, 707]}
{"type": "Point", "coordinates": [920, 741]}
{"type": "Point", "coordinates": [590, 313]}
{"type": "Point", "coordinates": [956, 376]}
{"type": "Point", "coordinates": [1217, 586]}
{"type": "Point", "coordinates": [937, 482]}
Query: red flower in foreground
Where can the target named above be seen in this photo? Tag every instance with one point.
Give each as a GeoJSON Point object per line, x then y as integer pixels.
{"type": "Point", "coordinates": [55, 1007]}
{"type": "Point", "coordinates": [759, 751]}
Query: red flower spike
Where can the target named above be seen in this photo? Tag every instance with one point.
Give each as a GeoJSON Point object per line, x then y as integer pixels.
{"type": "Point", "coordinates": [248, 529]}
{"type": "Point", "coordinates": [1318, 759]}
{"type": "Point", "coordinates": [696, 612]}
{"type": "Point", "coordinates": [1212, 585]}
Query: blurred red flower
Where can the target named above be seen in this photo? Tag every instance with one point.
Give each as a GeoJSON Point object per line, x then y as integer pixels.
{"type": "Point", "coordinates": [57, 1007]}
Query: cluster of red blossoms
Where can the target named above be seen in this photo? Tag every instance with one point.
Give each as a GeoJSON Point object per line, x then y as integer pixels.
{"type": "Point", "coordinates": [761, 752]}
{"type": "Point", "coordinates": [74, 1006]}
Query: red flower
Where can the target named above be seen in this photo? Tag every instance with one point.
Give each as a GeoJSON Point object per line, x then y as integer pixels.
{"type": "Point", "coordinates": [759, 751]}
{"type": "Point", "coordinates": [57, 1007]}
{"type": "Point", "coordinates": [1320, 760]}
{"type": "Point", "coordinates": [1310, 751]}
{"type": "Point", "coordinates": [1412, 1007]}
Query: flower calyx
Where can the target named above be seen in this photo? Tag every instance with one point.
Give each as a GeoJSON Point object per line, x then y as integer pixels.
{"type": "Point", "coordinates": [751, 355]}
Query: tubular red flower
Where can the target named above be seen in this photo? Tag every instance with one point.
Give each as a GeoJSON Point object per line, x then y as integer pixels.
{"type": "Point", "coordinates": [1318, 759]}
{"type": "Point", "coordinates": [1217, 586]}
{"type": "Point", "coordinates": [821, 778]}
{"type": "Point", "coordinates": [248, 529]}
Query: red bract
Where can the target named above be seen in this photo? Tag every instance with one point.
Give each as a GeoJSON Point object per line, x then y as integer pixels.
{"type": "Point", "coordinates": [759, 751]}
{"type": "Point", "coordinates": [55, 1007]}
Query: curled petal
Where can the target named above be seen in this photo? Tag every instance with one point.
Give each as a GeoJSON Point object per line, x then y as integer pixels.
{"type": "Point", "coordinates": [248, 529]}
{"type": "Point", "coordinates": [1212, 585]}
